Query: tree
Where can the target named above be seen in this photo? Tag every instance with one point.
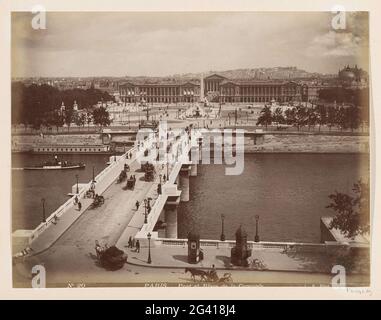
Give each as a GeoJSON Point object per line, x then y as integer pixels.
{"type": "Point", "coordinates": [352, 216]}
{"type": "Point", "coordinates": [278, 116]}
{"type": "Point", "coordinates": [331, 117]}
{"type": "Point", "coordinates": [340, 117]}
{"type": "Point", "coordinates": [32, 104]}
{"type": "Point", "coordinates": [266, 117]}
{"type": "Point", "coordinates": [69, 116]}
{"type": "Point", "coordinates": [89, 118]}
{"type": "Point", "coordinates": [290, 116]}
{"type": "Point", "coordinates": [321, 114]}
{"type": "Point", "coordinates": [101, 116]}
{"type": "Point", "coordinates": [311, 118]}
{"type": "Point", "coordinates": [353, 117]}
{"type": "Point", "coordinates": [57, 119]}
{"type": "Point", "coordinates": [300, 116]}
{"type": "Point", "coordinates": [79, 119]}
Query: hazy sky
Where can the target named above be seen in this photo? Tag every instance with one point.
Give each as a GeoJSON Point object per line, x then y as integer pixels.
{"type": "Point", "coordinates": [158, 44]}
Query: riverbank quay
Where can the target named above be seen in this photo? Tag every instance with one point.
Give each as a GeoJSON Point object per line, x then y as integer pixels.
{"type": "Point", "coordinates": [27, 143]}
{"type": "Point", "coordinates": [254, 141]}
{"type": "Point", "coordinates": [310, 143]}
{"type": "Point", "coordinates": [261, 260]}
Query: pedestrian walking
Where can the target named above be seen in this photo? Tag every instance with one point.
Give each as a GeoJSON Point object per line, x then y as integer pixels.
{"type": "Point", "coordinates": [137, 246]}
{"type": "Point", "coordinates": [76, 200]}
{"type": "Point", "coordinates": [130, 242]}
{"type": "Point", "coordinates": [137, 204]}
{"type": "Point", "coordinates": [79, 205]}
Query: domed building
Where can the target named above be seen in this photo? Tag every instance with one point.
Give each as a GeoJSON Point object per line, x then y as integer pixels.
{"type": "Point", "coordinates": [353, 77]}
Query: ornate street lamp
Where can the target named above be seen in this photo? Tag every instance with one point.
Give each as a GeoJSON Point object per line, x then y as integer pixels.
{"type": "Point", "coordinates": [43, 210]}
{"type": "Point", "coordinates": [145, 211]}
{"type": "Point", "coordinates": [149, 248]}
{"type": "Point", "coordinates": [222, 232]}
{"type": "Point", "coordinates": [76, 176]}
{"type": "Point", "coordinates": [256, 238]}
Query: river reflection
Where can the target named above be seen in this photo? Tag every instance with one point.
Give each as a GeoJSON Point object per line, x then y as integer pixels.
{"type": "Point", "coordinates": [288, 191]}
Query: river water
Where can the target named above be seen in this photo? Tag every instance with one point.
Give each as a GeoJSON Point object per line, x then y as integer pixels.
{"type": "Point", "coordinates": [29, 187]}
{"type": "Point", "coordinates": [288, 191]}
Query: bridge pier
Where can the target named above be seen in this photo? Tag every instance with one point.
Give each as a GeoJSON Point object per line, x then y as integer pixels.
{"type": "Point", "coordinates": [184, 182]}
{"type": "Point", "coordinates": [193, 170]}
{"type": "Point", "coordinates": [170, 213]}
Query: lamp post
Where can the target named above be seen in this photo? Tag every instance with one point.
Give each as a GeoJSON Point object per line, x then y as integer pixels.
{"type": "Point", "coordinates": [222, 232]}
{"type": "Point", "coordinates": [167, 169]}
{"type": "Point", "coordinates": [76, 176]}
{"type": "Point", "coordinates": [145, 211]}
{"type": "Point", "coordinates": [149, 248]}
{"type": "Point", "coordinates": [256, 238]}
{"type": "Point", "coordinates": [94, 174]}
{"type": "Point", "coordinates": [43, 210]}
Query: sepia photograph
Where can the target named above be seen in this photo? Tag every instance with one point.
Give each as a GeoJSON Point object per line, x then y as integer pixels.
{"type": "Point", "coordinates": [190, 149]}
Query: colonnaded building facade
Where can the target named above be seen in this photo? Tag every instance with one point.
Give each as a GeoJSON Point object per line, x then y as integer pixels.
{"type": "Point", "coordinates": [214, 88]}
{"type": "Point", "coordinates": [159, 91]}
{"type": "Point", "coordinates": [221, 89]}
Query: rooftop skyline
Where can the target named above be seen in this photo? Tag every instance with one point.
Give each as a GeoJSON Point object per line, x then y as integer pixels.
{"type": "Point", "coordinates": [81, 44]}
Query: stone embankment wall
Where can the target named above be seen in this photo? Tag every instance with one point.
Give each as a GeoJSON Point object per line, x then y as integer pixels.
{"type": "Point", "coordinates": [22, 143]}
{"type": "Point", "coordinates": [310, 143]}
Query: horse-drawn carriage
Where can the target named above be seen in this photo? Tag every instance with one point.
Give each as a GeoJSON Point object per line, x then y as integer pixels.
{"type": "Point", "coordinates": [123, 173]}
{"type": "Point", "coordinates": [146, 166]}
{"type": "Point", "coordinates": [98, 201]}
{"type": "Point", "coordinates": [149, 175]}
{"type": "Point", "coordinates": [149, 171]}
{"type": "Point", "coordinates": [122, 176]}
{"type": "Point", "coordinates": [110, 258]}
{"type": "Point", "coordinates": [130, 183]}
{"type": "Point", "coordinates": [209, 276]}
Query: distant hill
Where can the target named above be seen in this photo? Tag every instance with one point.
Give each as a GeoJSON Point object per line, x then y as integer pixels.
{"type": "Point", "coordinates": [258, 73]}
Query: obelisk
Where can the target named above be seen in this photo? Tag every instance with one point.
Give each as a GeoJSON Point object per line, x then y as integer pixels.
{"type": "Point", "coordinates": [202, 88]}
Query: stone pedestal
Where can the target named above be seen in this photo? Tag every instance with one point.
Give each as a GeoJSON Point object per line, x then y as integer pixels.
{"type": "Point", "coordinates": [170, 214]}
{"type": "Point", "coordinates": [240, 252]}
{"type": "Point", "coordinates": [195, 253]}
{"type": "Point", "coordinates": [184, 183]}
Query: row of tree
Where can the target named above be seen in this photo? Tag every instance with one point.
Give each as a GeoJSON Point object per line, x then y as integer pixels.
{"type": "Point", "coordinates": [358, 97]}
{"type": "Point", "coordinates": [39, 104]}
{"type": "Point", "coordinates": [348, 117]}
{"type": "Point", "coordinates": [56, 118]}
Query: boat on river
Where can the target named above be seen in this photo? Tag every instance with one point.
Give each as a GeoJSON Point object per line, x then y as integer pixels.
{"type": "Point", "coordinates": [61, 165]}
